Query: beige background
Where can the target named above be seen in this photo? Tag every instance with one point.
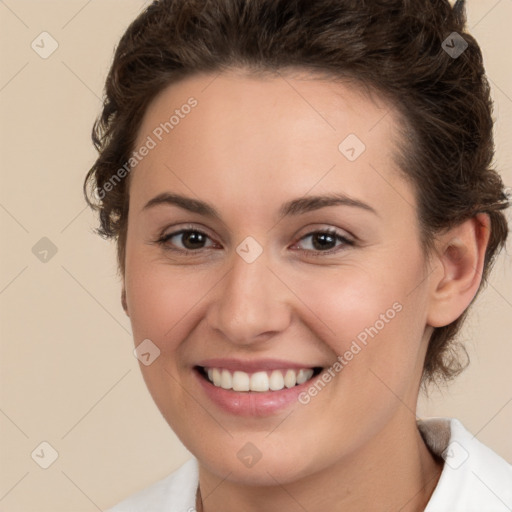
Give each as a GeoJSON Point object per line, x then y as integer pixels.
{"type": "Point", "coordinates": [68, 375]}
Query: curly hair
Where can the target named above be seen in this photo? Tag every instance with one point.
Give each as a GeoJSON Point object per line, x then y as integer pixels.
{"type": "Point", "coordinates": [398, 48]}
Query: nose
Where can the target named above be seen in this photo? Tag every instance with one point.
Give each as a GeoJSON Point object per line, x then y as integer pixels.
{"type": "Point", "coordinates": [251, 304]}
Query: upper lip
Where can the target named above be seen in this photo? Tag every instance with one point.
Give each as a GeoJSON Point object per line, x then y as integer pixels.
{"type": "Point", "coordinates": [254, 364]}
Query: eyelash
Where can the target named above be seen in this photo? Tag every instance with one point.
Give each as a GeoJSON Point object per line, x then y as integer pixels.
{"type": "Point", "coordinates": [163, 241]}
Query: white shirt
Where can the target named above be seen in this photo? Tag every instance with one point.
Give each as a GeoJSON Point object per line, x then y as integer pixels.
{"type": "Point", "coordinates": [473, 479]}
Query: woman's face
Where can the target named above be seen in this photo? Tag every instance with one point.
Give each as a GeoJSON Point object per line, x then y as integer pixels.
{"type": "Point", "coordinates": [260, 269]}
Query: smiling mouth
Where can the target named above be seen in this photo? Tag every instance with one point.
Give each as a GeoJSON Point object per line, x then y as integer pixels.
{"type": "Point", "coordinates": [261, 381]}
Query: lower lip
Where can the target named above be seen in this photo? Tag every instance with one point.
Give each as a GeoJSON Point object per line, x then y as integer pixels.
{"type": "Point", "coordinates": [252, 403]}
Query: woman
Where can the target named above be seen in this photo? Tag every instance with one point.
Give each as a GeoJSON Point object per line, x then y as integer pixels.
{"type": "Point", "coordinates": [304, 208]}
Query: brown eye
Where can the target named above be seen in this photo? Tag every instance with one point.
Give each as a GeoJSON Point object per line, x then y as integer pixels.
{"type": "Point", "coordinates": [324, 242]}
{"type": "Point", "coordinates": [190, 240]}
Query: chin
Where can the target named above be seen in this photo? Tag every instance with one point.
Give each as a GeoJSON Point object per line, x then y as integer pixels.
{"type": "Point", "coordinates": [267, 471]}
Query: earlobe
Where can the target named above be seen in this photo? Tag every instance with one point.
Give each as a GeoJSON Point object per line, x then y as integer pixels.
{"type": "Point", "coordinates": [461, 255]}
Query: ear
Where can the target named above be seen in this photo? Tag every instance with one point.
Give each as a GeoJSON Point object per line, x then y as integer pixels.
{"type": "Point", "coordinates": [123, 301]}
{"type": "Point", "coordinates": [459, 260]}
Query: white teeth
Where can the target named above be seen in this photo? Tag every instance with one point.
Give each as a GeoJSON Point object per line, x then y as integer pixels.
{"type": "Point", "coordinates": [259, 381]}
{"type": "Point", "coordinates": [302, 376]}
{"type": "Point", "coordinates": [216, 377]}
{"type": "Point", "coordinates": [290, 379]}
{"type": "Point", "coordinates": [262, 381]}
{"type": "Point", "coordinates": [241, 381]}
{"type": "Point", "coordinates": [276, 381]}
{"type": "Point", "coordinates": [226, 381]}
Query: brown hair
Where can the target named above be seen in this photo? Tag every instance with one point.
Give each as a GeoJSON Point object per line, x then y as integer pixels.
{"type": "Point", "coordinates": [394, 47]}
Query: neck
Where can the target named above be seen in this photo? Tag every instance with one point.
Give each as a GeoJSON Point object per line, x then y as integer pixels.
{"type": "Point", "coordinates": [395, 471]}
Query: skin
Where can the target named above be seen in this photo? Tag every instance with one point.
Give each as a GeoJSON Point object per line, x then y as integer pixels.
{"type": "Point", "coordinates": [250, 145]}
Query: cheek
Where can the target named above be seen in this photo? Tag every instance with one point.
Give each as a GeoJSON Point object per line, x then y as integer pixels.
{"type": "Point", "coordinates": [347, 303]}
{"type": "Point", "coordinates": [160, 298]}
{"type": "Point", "coordinates": [371, 316]}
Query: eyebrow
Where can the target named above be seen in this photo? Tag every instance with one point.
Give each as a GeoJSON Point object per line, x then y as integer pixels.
{"type": "Point", "coordinates": [291, 208]}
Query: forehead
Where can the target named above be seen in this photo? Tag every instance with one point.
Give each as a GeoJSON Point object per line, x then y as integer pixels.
{"type": "Point", "coordinates": [262, 137]}
{"type": "Point", "coordinates": [267, 104]}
